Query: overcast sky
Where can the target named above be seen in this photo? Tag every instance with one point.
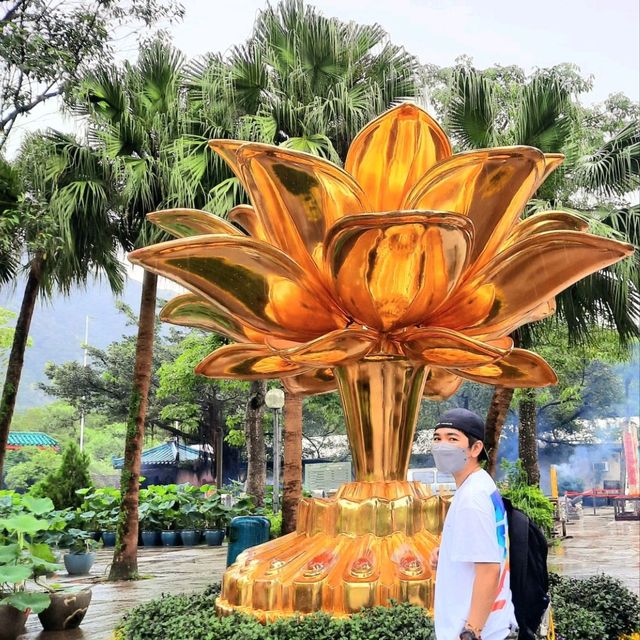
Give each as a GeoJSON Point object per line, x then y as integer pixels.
{"type": "Point", "coordinates": [601, 36]}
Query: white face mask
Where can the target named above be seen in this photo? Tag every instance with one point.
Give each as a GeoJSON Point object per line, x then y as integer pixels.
{"type": "Point", "coordinates": [448, 457]}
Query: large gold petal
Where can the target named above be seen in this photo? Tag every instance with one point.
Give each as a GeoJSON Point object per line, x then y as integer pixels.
{"type": "Point", "coordinates": [551, 162]}
{"type": "Point", "coordinates": [490, 186]}
{"type": "Point", "coordinates": [389, 270]}
{"type": "Point", "coordinates": [311, 383]}
{"type": "Point", "coordinates": [248, 219]}
{"type": "Point", "coordinates": [529, 274]}
{"type": "Point", "coordinates": [543, 222]}
{"type": "Point", "coordinates": [393, 152]}
{"type": "Point", "coordinates": [192, 310]}
{"type": "Point", "coordinates": [246, 362]}
{"type": "Point", "coordinates": [248, 279]}
{"type": "Point", "coordinates": [228, 151]}
{"type": "Point", "coordinates": [519, 369]}
{"type": "Point", "coordinates": [440, 384]}
{"type": "Point", "coordinates": [333, 349]}
{"type": "Point", "coordinates": [298, 197]}
{"type": "Point", "coordinates": [445, 348]}
{"type": "Point", "coordinates": [183, 223]}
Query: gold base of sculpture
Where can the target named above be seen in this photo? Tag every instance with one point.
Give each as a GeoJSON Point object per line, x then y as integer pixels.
{"type": "Point", "coordinates": [365, 547]}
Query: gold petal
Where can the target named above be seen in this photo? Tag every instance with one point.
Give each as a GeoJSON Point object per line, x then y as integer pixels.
{"type": "Point", "coordinates": [333, 349]}
{"type": "Point", "coordinates": [246, 362]}
{"type": "Point", "coordinates": [192, 310]}
{"type": "Point", "coordinates": [183, 223]}
{"type": "Point", "coordinates": [311, 383]}
{"type": "Point", "coordinates": [247, 218]}
{"type": "Point", "coordinates": [393, 152]}
{"type": "Point", "coordinates": [551, 162]}
{"type": "Point", "coordinates": [491, 186]}
{"type": "Point", "coordinates": [519, 369]}
{"type": "Point", "coordinates": [444, 348]}
{"type": "Point", "coordinates": [227, 150]}
{"type": "Point", "coordinates": [390, 269]}
{"type": "Point", "coordinates": [248, 279]}
{"type": "Point", "coordinates": [533, 271]}
{"type": "Point", "coordinates": [440, 384]}
{"type": "Point", "coordinates": [545, 221]}
{"type": "Point", "coordinates": [298, 197]}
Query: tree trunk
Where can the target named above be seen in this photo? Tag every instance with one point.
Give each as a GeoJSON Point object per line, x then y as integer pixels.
{"type": "Point", "coordinates": [16, 357]}
{"type": "Point", "coordinates": [527, 436]}
{"type": "Point", "coordinates": [496, 416]}
{"type": "Point", "coordinates": [256, 454]}
{"type": "Point", "coordinates": [292, 467]}
{"type": "Point", "coordinates": [125, 561]}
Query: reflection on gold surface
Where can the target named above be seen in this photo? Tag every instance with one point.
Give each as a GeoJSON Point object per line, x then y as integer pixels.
{"type": "Point", "coordinates": [392, 279]}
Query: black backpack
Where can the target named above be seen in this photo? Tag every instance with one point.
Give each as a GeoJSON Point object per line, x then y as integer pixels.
{"type": "Point", "coordinates": [528, 550]}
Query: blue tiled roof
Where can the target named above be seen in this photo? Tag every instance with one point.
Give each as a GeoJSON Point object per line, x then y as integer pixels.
{"type": "Point", "coordinates": [167, 453]}
{"type": "Point", "coordinates": [31, 439]}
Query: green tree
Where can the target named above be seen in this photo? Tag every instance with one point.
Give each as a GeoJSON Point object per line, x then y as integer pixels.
{"type": "Point", "coordinates": [34, 466]}
{"type": "Point", "coordinates": [66, 232]}
{"type": "Point", "coordinates": [45, 47]}
{"type": "Point", "coordinates": [61, 485]}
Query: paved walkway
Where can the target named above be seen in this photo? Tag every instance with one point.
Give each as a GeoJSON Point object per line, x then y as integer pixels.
{"type": "Point", "coordinates": [595, 544]}
{"type": "Point", "coordinates": [167, 570]}
{"type": "Point", "coordinates": [599, 544]}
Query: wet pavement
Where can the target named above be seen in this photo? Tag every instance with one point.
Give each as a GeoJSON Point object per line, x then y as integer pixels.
{"type": "Point", "coordinates": [594, 544]}
{"type": "Point", "coordinates": [166, 570]}
{"type": "Point", "coordinates": [599, 544]}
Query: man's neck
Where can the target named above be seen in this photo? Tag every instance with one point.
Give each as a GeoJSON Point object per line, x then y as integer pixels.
{"type": "Point", "coordinates": [464, 473]}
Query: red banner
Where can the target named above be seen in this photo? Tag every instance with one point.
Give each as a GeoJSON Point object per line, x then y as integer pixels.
{"type": "Point", "coordinates": [630, 442]}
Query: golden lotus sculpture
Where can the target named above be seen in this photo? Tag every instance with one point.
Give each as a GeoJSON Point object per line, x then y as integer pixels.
{"type": "Point", "coordinates": [391, 280]}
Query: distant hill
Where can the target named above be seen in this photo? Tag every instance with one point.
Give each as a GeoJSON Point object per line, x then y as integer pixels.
{"type": "Point", "coordinates": [57, 329]}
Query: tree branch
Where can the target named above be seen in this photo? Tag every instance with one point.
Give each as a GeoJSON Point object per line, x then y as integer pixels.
{"type": "Point", "coordinates": [12, 11]}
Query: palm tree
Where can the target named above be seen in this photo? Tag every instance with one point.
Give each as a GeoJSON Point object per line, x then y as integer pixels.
{"type": "Point", "coordinates": [65, 229]}
{"type": "Point", "coordinates": [306, 82]}
{"type": "Point", "coordinates": [136, 113]}
{"type": "Point", "coordinates": [480, 112]}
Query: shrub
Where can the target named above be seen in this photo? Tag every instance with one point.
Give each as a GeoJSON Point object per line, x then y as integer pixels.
{"type": "Point", "coordinates": [525, 497]}
{"type": "Point", "coordinates": [61, 485]}
{"type": "Point", "coordinates": [191, 617]}
{"type": "Point", "coordinates": [597, 597]}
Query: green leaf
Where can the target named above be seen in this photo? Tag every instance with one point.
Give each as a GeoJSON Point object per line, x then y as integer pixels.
{"type": "Point", "coordinates": [14, 574]}
{"type": "Point", "coordinates": [37, 506]}
{"type": "Point", "coordinates": [24, 523]}
{"type": "Point", "coordinates": [42, 551]}
{"type": "Point", "coordinates": [9, 553]}
{"type": "Point", "coordinates": [24, 600]}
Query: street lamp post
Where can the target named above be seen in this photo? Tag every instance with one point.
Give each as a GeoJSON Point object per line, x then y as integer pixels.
{"type": "Point", "coordinates": [274, 399]}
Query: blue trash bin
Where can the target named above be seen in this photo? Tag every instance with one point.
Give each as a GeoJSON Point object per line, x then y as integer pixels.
{"type": "Point", "coordinates": [245, 532]}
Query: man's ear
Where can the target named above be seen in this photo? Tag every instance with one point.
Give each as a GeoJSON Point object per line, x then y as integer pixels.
{"type": "Point", "coordinates": [476, 449]}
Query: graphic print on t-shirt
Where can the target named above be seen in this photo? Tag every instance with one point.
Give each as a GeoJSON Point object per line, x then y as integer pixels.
{"type": "Point", "coordinates": [503, 541]}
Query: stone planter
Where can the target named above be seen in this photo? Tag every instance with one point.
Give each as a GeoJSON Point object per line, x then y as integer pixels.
{"type": "Point", "coordinates": [170, 538]}
{"type": "Point", "coordinates": [12, 622]}
{"type": "Point", "coordinates": [190, 537]}
{"type": "Point", "coordinates": [79, 564]}
{"type": "Point", "coordinates": [66, 611]}
{"type": "Point", "coordinates": [109, 538]}
{"type": "Point", "coordinates": [214, 537]}
{"type": "Point", "coordinates": [150, 538]}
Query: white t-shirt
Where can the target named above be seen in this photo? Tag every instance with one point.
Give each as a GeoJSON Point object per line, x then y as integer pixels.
{"type": "Point", "coordinates": [475, 530]}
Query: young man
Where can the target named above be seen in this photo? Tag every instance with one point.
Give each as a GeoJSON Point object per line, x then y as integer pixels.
{"type": "Point", "coordinates": [473, 597]}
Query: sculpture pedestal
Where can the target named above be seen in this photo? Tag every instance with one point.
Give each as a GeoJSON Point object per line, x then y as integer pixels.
{"type": "Point", "coordinates": [365, 547]}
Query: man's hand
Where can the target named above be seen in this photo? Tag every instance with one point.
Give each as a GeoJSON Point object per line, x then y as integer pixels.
{"type": "Point", "coordinates": [433, 560]}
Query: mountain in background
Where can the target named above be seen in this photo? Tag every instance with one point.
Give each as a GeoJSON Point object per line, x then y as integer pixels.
{"type": "Point", "coordinates": [58, 326]}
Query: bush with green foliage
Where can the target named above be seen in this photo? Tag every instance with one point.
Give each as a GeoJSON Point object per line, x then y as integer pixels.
{"type": "Point", "coordinates": [193, 616]}
{"type": "Point", "coordinates": [62, 484]}
{"type": "Point", "coordinates": [526, 497]}
{"type": "Point", "coordinates": [595, 608]}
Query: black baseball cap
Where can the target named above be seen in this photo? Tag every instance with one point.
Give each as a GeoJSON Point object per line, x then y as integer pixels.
{"type": "Point", "coordinates": [470, 423]}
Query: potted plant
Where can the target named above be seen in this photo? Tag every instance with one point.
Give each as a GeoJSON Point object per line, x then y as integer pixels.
{"type": "Point", "coordinates": [101, 512]}
{"type": "Point", "coordinates": [22, 560]}
{"type": "Point", "coordinates": [189, 520]}
{"type": "Point", "coordinates": [168, 516]}
{"type": "Point", "coordinates": [67, 609]}
{"type": "Point", "coordinates": [216, 517]}
{"type": "Point", "coordinates": [81, 548]}
{"type": "Point", "coordinates": [149, 524]}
